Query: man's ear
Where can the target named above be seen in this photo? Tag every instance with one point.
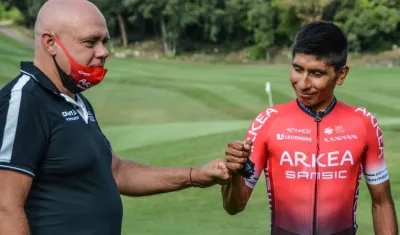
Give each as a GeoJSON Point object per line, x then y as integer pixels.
{"type": "Point", "coordinates": [342, 74]}
{"type": "Point", "coordinates": [49, 43]}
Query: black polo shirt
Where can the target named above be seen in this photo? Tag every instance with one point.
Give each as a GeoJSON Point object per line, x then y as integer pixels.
{"type": "Point", "coordinates": [57, 141]}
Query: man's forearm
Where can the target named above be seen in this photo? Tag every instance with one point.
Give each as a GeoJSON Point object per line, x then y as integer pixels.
{"type": "Point", "coordinates": [235, 195]}
{"type": "Point", "coordinates": [384, 217]}
{"type": "Point", "coordinates": [13, 222]}
{"type": "Point", "coordinates": [135, 179]}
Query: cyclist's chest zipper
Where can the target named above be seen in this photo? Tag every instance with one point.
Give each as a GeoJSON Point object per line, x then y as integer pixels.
{"type": "Point", "coordinates": [317, 118]}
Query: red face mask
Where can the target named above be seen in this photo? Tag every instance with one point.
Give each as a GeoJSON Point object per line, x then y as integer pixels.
{"type": "Point", "coordinates": [80, 77]}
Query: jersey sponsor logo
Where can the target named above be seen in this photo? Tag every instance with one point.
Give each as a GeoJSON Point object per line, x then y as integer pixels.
{"type": "Point", "coordinates": [252, 134]}
{"type": "Point", "coordinates": [375, 125]}
{"type": "Point", "coordinates": [259, 122]}
{"type": "Point", "coordinates": [293, 137]}
{"type": "Point", "coordinates": [309, 163]}
{"type": "Point", "coordinates": [340, 138]}
{"type": "Point", "coordinates": [328, 131]}
{"type": "Point", "coordinates": [378, 177]}
{"type": "Point", "coordinates": [337, 130]}
{"type": "Point", "coordinates": [71, 115]}
{"type": "Point", "coordinates": [302, 131]}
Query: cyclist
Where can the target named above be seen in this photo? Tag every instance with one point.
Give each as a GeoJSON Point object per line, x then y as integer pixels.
{"type": "Point", "coordinates": [314, 149]}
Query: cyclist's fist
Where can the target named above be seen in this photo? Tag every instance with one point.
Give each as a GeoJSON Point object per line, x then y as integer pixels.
{"type": "Point", "coordinates": [237, 153]}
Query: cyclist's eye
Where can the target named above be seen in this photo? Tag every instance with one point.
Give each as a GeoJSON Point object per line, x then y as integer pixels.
{"type": "Point", "coordinates": [317, 74]}
{"type": "Point", "coordinates": [298, 69]}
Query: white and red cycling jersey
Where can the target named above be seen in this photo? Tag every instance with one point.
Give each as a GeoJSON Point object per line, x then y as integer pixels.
{"type": "Point", "coordinates": [313, 164]}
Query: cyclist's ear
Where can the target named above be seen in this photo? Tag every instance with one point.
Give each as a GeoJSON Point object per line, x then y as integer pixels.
{"type": "Point", "coordinates": [341, 75]}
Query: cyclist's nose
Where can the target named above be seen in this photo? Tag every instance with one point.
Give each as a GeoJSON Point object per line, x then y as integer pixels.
{"type": "Point", "coordinates": [304, 83]}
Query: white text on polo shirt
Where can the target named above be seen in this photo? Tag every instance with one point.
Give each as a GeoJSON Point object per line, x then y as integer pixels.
{"type": "Point", "coordinates": [71, 115]}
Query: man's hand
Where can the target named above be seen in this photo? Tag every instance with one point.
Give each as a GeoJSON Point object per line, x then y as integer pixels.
{"type": "Point", "coordinates": [237, 153]}
{"type": "Point", "coordinates": [215, 172]}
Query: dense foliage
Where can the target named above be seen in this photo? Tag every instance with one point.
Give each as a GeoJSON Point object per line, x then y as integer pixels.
{"type": "Point", "coordinates": [262, 25]}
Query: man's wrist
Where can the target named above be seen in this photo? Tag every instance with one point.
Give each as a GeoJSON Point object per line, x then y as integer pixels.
{"type": "Point", "coordinates": [193, 177]}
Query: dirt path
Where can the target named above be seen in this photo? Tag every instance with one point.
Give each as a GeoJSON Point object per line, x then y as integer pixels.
{"type": "Point", "coordinates": [7, 30]}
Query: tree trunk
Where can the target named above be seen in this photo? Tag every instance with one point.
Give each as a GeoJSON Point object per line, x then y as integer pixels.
{"type": "Point", "coordinates": [122, 28]}
{"type": "Point", "coordinates": [169, 44]}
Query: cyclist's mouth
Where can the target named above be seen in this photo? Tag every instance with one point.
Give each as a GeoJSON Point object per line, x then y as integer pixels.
{"type": "Point", "coordinates": [304, 95]}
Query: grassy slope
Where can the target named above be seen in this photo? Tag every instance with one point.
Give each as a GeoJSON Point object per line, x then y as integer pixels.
{"type": "Point", "coordinates": [167, 113]}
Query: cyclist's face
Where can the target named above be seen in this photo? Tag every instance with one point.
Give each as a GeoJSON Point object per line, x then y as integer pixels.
{"type": "Point", "coordinates": [313, 80]}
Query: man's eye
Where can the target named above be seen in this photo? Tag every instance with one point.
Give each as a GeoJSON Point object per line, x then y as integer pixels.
{"type": "Point", "coordinates": [89, 44]}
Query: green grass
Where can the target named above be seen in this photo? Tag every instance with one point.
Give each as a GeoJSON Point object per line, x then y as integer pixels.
{"type": "Point", "coordinates": [168, 113]}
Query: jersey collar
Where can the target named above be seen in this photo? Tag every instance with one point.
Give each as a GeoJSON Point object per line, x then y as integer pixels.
{"type": "Point", "coordinates": [317, 115]}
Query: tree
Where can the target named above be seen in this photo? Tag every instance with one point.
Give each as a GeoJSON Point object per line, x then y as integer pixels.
{"type": "Point", "coordinates": [260, 21]}
{"type": "Point", "coordinates": [171, 16]}
{"type": "Point", "coordinates": [115, 9]}
{"type": "Point", "coordinates": [307, 10]}
{"type": "Point", "coordinates": [369, 24]}
{"type": "Point", "coordinates": [28, 8]}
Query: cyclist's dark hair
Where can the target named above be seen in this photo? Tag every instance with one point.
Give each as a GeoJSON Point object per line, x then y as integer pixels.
{"type": "Point", "coordinates": [325, 40]}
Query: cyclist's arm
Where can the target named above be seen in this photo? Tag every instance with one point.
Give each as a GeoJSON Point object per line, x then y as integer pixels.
{"type": "Point", "coordinates": [236, 193]}
{"type": "Point", "coordinates": [377, 178]}
{"type": "Point", "coordinates": [383, 210]}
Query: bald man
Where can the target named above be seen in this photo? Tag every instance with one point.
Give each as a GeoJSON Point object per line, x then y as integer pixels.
{"type": "Point", "coordinates": [58, 172]}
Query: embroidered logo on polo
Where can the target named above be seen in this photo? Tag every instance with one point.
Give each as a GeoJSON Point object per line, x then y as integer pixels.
{"type": "Point", "coordinates": [91, 117]}
{"type": "Point", "coordinates": [71, 115]}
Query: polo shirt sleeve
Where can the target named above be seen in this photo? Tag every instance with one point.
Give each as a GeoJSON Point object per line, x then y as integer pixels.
{"type": "Point", "coordinates": [23, 135]}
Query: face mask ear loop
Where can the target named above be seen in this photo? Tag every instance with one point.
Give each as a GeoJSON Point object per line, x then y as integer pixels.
{"type": "Point", "coordinates": [56, 40]}
{"type": "Point", "coordinates": [66, 81]}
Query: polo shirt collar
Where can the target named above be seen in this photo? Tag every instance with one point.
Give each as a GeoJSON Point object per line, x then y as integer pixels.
{"type": "Point", "coordinates": [44, 81]}
{"type": "Point", "coordinates": [31, 70]}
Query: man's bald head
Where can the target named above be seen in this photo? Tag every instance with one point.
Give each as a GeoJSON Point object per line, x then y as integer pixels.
{"type": "Point", "coordinates": [70, 32]}
{"type": "Point", "coordinates": [61, 15]}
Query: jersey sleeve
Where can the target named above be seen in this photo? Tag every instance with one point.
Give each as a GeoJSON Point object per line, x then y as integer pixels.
{"type": "Point", "coordinates": [374, 163]}
{"type": "Point", "coordinates": [23, 132]}
{"type": "Point", "coordinates": [256, 132]}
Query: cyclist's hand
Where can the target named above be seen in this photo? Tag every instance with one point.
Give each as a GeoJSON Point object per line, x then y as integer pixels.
{"type": "Point", "coordinates": [237, 153]}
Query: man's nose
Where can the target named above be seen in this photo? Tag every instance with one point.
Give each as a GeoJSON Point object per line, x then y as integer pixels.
{"type": "Point", "coordinates": [102, 52]}
{"type": "Point", "coordinates": [304, 83]}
